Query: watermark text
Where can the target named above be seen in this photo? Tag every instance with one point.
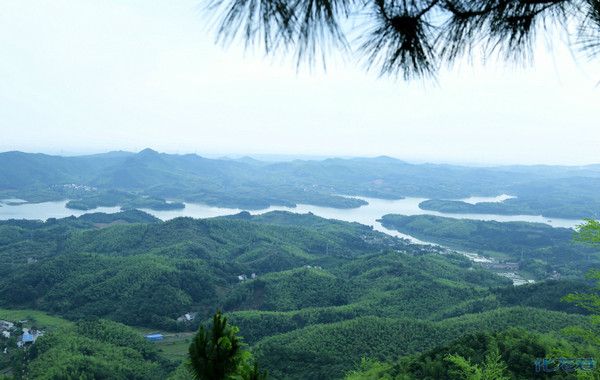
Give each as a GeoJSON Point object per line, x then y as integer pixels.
{"type": "Point", "coordinates": [567, 365]}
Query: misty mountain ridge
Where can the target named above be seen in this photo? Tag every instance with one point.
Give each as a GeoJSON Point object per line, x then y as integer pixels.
{"type": "Point", "coordinates": [248, 183]}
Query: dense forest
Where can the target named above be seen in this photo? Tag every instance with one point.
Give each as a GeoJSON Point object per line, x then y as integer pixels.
{"type": "Point", "coordinates": [539, 249]}
{"type": "Point", "coordinates": [510, 353]}
{"type": "Point", "coordinates": [570, 197]}
{"type": "Point", "coordinates": [148, 179]}
{"type": "Point", "coordinates": [312, 297]}
{"type": "Point", "coordinates": [104, 349]}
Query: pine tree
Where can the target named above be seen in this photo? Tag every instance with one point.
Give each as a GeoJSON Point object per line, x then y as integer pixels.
{"type": "Point", "coordinates": [409, 37]}
{"type": "Point", "coordinates": [218, 354]}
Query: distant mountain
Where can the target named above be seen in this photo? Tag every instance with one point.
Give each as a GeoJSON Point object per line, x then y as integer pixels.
{"type": "Point", "coordinates": [112, 154]}
{"type": "Point", "coordinates": [554, 191]}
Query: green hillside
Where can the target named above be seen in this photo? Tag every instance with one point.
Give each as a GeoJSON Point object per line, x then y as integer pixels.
{"type": "Point", "coordinates": [539, 249]}
{"type": "Point", "coordinates": [521, 354]}
{"type": "Point", "coordinates": [315, 295]}
{"type": "Point", "coordinates": [327, 350]}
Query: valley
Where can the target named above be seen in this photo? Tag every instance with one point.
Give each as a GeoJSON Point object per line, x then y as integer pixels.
{"type": "Point", "coordinates": [313, 289]}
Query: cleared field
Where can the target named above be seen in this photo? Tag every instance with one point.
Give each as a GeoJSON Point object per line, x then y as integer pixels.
{"type": "Point", "coordinates": [36, 318]}
{"type": "Point", "coordinates": [175, 346]}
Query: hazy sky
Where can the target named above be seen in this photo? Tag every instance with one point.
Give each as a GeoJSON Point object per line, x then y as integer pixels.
{"type": "Point", "coordinates": [101, 75]}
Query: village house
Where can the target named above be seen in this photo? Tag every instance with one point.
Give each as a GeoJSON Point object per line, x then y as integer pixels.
{"type": "Point", "coordinates": [5, 328]}
{"type": "Point", "coordinates": [6, 324]}
{"type": "Point", "coordinates": [187, 317]}
{"type": "Point", "coordinates": [25, 340]}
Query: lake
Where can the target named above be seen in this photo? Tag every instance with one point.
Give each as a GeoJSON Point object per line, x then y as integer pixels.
{"type": "Point", "coordinates": [12, 209]}
{"type": "Point", "coordinates": [368, 215]}
{"type": "Point", "coordinates": [16, 209]}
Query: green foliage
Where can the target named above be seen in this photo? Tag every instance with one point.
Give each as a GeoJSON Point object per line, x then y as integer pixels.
{"type": "Point", "coordinates": [539, 248]}
{"type": "Point", "coordinates": [127, 289]}
{"type": "Point", "coordinates": [588, 233]}
{"type": "Point", "coordinates": [39, 319]}
{"type": "Point", "coordinates": [148, 274]}
{"type": "Point", "coordinates": [367, 369]}
{"type": "Point", "coordinates": [573, 198]}
{"type": "Point", "coordinates": [326, 350]}
{"type": "Point", "coordinates": [94, 349]}
{"type": "Point", "coordinates": [217, 354]}
{"type": "Point", "coordinates": [484, 355]}
{"type": "Point", "coordinates": [543, 295]}
{"type": "Point", "coordinates": [290, 290]}
{"type": "Point", "coordinates": [374, 295]}
{"type": "Point", "coordinates": [127, 201]}
{"type": "Point", "coordinates": [493, 367]}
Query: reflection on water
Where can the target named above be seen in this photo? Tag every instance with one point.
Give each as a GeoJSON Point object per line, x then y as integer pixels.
{"type": "Point", "coordinates": [42, 211]}
{"type": "Point", "coordinates": [367, 214]}
{"type": "Point", "coordinates": [12, 201]}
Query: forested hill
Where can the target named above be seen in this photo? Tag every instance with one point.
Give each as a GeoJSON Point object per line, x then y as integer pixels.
{"type": "Point", "coordinates": [538, 248]}
{"type": "Point", "coordinates": [310, 295]}
{"type": "Point", "coordinates": [148, 178]}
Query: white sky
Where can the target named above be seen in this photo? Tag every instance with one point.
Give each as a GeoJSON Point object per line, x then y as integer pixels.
{"type": "Point", "coordinates": [100, 75]}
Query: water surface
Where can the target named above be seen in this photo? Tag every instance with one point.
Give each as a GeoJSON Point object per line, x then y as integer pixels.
{"type": "Point", "coordinates": [367, 214]}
